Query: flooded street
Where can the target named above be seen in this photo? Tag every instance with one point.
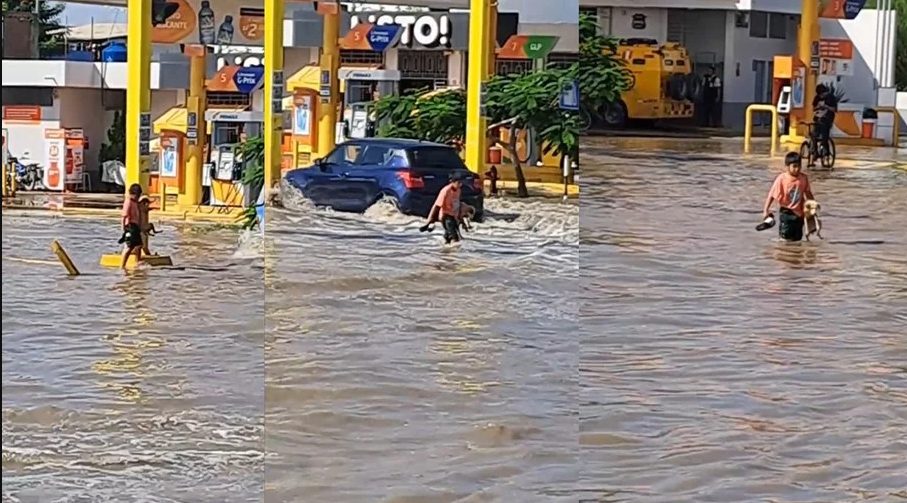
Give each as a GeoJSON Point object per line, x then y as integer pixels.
{"type": "Point", "coordinates": [643, 345]}
{"type": "Point", "coordinates": [401, 371]}
{"type": "Point", "coordinates": [146, 388]}
{"type": "Point", "coordinates": [720, 365]}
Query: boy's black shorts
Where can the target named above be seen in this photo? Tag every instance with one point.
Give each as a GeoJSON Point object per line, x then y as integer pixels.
{"type": "Point", "coordinates": [132, 236]}
{"type": "Point", "coordinates": [790, 226]}
{"type": "Point", "coordinates": [451, 228]}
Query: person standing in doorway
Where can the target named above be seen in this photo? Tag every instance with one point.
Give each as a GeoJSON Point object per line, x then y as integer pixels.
{"type": "Point", "coordinates": [711, 98]}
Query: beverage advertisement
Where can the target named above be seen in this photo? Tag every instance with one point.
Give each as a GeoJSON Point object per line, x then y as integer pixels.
{"type": "Point", "coordinates": [55, 159]}
{"type": "Point", "coordinates": [208, 22]}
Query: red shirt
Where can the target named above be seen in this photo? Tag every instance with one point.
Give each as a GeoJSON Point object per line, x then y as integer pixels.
{"type": "Point", "coordinates": [791, 192]}
{"type": "Point", "coordinates": [449, 201]}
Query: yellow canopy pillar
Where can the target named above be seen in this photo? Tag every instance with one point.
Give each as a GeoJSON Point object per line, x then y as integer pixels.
{"type": "Point", "coordinates": [138, 93]}
{"type": "Point", "coordinates": [806, 37]}
{"type": "Point", "coordinates": [195, 104]}
{"type": "Point", "coordinates": [330, 68]}
{"type": "Point", "coordinates": [481, 47]}
{"type": "Point", "coordinates": [273, 127]}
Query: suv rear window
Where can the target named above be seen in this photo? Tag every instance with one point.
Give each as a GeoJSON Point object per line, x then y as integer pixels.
{"type": "Point", "coordinates": [435, 157]}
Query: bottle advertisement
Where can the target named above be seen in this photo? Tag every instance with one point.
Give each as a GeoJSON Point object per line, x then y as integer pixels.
{"type": "Point", "coordinates": [221, 22]}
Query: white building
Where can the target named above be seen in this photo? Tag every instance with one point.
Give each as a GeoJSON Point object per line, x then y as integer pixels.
{"type": "Point", "coordinates": [740, 38]}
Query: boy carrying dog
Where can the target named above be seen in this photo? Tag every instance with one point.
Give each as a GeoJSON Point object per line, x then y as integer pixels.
{"type": "Point", "coordinates": [449, 210]}
{"type": "Point", "coordinates": [791, 190]}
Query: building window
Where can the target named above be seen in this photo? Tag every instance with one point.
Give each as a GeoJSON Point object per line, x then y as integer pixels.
{"type": "Point", "coordinates": [758, 24]}
{"type": "Point", "coordinates": [28, 96]}
{"type": "Point", "coordinates": [361, 57]}
{"type": "Point", "coordinates": [777, 26]}
{"type": "Point", "coordinates": [514, 66]}
{"type": "Point", "coordinates": [228, 99]}
{"type": "Point", "coordinates": [427, 65]}
{"type": "Point", "coordinates": [765, 25]}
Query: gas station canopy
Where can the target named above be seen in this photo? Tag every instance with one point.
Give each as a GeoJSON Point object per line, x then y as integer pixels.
{"type": "Point", "coordinates": [434, 4]}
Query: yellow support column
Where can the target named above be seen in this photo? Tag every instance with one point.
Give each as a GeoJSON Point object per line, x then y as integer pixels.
{"type": "Point", "coordinates": [330, 68]}
{"type": "Point", "coordinates": [273, 126]}
{"type": "Point", "coordinates": [478, 73]}
{"type": "Point", "coordinates": [191, 195]}
{"type": "Point", "coordinates": [808, 34]}
{"type": "Point", "coordinates": [138, 91]}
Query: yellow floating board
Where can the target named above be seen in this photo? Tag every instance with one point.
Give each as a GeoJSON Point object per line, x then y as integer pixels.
{"type": "Point", "coordinates": [61, 254]}
{"type": "Point", "coordinates": [116, 260]}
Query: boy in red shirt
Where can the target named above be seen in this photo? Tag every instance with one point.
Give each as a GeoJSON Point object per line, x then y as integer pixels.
{"type": "Point", "coordinates": [132, 231]}
{"type": "Point", "coordinates": [449, 210]}
{"type": "Point", "coordinates": [791, 190]}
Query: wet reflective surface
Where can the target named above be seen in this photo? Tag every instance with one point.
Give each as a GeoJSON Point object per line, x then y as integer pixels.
{"type": "Point", "coordinates": [146, 387]}
{"type": "Point", "coordinates": [400, 370]}
{"type": "Point", "coordinates": [718, 364]}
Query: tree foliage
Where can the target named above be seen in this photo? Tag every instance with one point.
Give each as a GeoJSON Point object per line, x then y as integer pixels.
{"type": "Point", "coordinates": [114, 149]}
{"type": "Point", "coordinates": [252, 154]}
{"type": "Point", "coordinates": [605, 75]}
{"type": "Point", "coordinates": [48, 20]}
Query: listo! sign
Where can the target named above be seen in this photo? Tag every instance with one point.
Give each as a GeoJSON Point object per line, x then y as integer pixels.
{"type": "Point", "coordinates": [425, 30]}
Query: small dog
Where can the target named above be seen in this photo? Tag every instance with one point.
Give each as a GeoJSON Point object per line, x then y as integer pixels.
{"type": "Point", "coordinates": [811, 222]}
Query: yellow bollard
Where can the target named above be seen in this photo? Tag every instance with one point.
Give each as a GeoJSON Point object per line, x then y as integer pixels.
{"type": "Point", "coordinates": [748, 127]}
{"type": "Point", "coordinates": [61, 254]}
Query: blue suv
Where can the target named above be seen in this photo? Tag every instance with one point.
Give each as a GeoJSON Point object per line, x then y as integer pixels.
{"type": "Point", "coordinates": [409, 173]}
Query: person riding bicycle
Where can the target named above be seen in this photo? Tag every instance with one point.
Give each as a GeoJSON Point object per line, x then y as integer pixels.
{"type": "Point", "coordinates": [825, 105]}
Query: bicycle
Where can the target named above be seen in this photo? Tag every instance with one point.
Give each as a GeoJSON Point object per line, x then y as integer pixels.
{"type": "Point", "coordinates": [813, 149]}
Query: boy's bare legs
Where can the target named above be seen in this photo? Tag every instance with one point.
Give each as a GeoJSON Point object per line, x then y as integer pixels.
{"type": "Point", "coordinates": [126, 251]}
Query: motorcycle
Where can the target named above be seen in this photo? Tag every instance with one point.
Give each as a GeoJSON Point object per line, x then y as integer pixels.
{"type": "Point", "coordinates": [28, 176]}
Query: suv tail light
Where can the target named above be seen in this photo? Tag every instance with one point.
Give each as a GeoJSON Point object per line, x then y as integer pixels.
{"type": "Point", "coordinates": [410, 180]}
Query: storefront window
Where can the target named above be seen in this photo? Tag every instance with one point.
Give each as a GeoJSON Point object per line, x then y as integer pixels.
{"type": "Point", "coordinates": [361, 57]}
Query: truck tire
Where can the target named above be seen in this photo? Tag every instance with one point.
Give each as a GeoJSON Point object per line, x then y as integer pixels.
{"type": "Point", "coordinates": [694, 88]}
{"type": "Point", "coordinates": [677, 87]}
{"type": "Point", "coordinates": [614, 115]}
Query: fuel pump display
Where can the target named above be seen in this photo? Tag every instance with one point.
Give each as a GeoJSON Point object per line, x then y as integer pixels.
{"type": "Point", "coordinates": [361, 88]}
{"type": "Point", "coordinates": [228, 131]}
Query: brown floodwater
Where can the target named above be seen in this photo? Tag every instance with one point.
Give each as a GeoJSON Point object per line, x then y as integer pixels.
{"type": "Point", "coordinates": [718, 364]}
{"type": "Point", "coordinates": [146, 387]}
{"type": "Point", "coordinates": [401, 371]}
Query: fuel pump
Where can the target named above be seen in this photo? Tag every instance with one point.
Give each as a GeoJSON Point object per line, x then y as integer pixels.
{"type": "Point", "coordinates": [361, 88]}
{"type": "Point", "coordinates": [228, 131]}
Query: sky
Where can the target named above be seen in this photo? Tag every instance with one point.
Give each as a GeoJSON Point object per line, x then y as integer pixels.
{"type": "Point", "coordinates": [78, 14]}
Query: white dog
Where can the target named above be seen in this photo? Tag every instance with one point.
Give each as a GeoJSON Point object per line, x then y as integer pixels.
{"type": "Point", "coordinates": [811, 222]}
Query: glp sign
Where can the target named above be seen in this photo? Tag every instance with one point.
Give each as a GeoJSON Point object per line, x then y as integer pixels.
{"type": "Point", "coordinates": [425, 30]}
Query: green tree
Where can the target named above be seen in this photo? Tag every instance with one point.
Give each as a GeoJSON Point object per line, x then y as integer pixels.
{"type": "Point", "coordinates": [48, 21]}
{"type": "Point", "coordinates": [605, 75]}
{"type": "Point", "coordinates": [115, 146]}
{"type": "Point", "coordinates": [900, 53]}
{"type": "Point", "coordinates": [252, 155]}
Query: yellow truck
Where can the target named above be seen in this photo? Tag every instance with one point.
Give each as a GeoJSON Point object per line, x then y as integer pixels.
{"type": "Point", "coordinates": [663, 84]}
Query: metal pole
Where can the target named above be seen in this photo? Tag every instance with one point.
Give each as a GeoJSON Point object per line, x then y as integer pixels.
{"type": "Point", "coordinates": [889, 44]}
